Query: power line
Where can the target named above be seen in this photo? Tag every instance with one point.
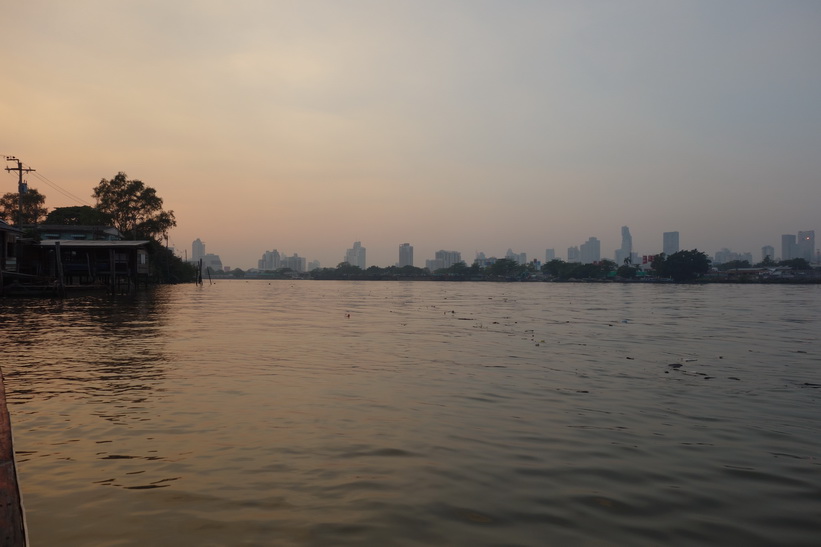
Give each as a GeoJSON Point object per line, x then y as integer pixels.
{"type": "Point", "coordinates": [54, 185]}
{"type": "Point", "coordinates": [66, 193]}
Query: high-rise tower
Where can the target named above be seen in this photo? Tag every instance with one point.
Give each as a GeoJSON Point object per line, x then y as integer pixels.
{"type": "Point", "coordinates": [405, 255]}
{"type": "Point", "coordinates": [197, 250]}
{"type": "Point", "coordinates": [670, 244]}
{"type": "Point", "coordinates": [805, 245]}
{"type": "Point", "coordinates": [788, 247]}
{"type": "Point", "coordinates": [626, 249]}
{"type": "Point", "coordinates": [356, 255]}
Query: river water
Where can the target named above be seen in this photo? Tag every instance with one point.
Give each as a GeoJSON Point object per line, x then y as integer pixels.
{"type": "Point", "coordinates": [419, 413]}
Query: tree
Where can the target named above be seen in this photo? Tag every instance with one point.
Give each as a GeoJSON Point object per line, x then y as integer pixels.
{"type": "Point", "coordinates": [607, 266]}
{"type": "Point", "coordinates": [506, 268]}
{"type": "Point", "coordinates": [135, 208]}
{"type": "Point", "coordinates": [32, 205]}
{"type": "Point", "coordinates": [682, 266]}
{"type": "Point", "coordinates": [78, 216]}
{"type": "Point", "coordinates": [767, 263]}
{"type": "Point", "coordinates": [796, 264]}
{"type": "Point", "coordinates": [734, 265]}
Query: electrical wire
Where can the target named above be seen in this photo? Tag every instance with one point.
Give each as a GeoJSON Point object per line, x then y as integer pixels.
{"type": "Point", "coordinates": [55, 186]}
{"type": "Point", "coordinates": [51, 183]}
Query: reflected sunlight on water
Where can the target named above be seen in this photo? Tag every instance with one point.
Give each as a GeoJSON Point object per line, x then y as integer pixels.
{"type": "Point", "coordinates": [257, 413]}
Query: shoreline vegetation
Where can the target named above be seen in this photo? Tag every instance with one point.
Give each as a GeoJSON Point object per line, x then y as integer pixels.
{"type": "Point", "coordinates": [683, 267]}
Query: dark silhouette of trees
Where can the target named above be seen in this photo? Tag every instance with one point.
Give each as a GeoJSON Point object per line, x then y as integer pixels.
{"type": "Point", "coordinates": [796, 264]}
{"type": "Point", "coordinates": [682, 266]}
{"type": "Point", "coordinates": [562, 270]}
{"type": "Point", "coordinates": [135, 209]}
{"type": "Point", "coordinates": [734, 265]}
{"type": "Point", "coordinates": [32, 207]}
{"type": "Point", "coordinates": [78, 216]}
{"type": "Point", "coordinates": [767, 263]}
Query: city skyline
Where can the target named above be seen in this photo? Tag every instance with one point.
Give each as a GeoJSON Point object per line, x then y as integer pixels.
{"type": "Point", "coordinates": [526, 125]}
{"type": "Point", "coordinates": [586, 252]}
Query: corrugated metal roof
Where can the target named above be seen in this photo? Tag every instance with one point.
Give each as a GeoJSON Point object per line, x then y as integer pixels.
{"type": "Point", "coordinates": [92, 243]}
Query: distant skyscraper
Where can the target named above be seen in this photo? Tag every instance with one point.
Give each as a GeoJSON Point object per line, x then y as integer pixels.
{"type": "Point", "coordinates": [573, 254]}
{"type": "Point", "coordinates": [788, 247]}
{"type": "Point", "coordinates": [767, 251]}
{"type": "Point", "coordinates": [356, 255]}
{"type": "Point", "coordinates": [405, 255]}
{"type": "Point", "coordinates": [626, 250]}
{"type": "Point", "coordinates": [212, 262]}
{"type": "Point", "coordinates": [670, 245]}
{"type": "Point", "coordinates": [550, 254]}
{"type": "Point", "coordinates": [296, 263]}
{"type": "Point", "coordinates": [443, 259]}
{"type": "Point", "coordinates": [518, 258]}
{"type": "Point", "coordinates": [805, 245]}
{"type": "Point", "coordinates": [197, 250]}
{"type": "Point", "coordinates": [270, 261]}
{"type": "Point", "coordinates": [590, 251]}
{"type": "Point", "coordinates": [726, 255]}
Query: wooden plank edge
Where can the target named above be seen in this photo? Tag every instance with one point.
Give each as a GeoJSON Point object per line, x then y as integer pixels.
{"type": "Point", "coordinates": [12, 519]}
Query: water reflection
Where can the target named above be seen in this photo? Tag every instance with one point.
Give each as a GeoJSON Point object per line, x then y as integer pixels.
{"type": "Point", "coordinates": [419, 413]}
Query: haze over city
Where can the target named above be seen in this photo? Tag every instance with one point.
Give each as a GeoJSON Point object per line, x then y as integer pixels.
{"type": "Point", "coordinates": [468, 126]}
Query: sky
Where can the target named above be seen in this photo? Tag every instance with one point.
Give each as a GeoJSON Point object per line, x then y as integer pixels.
{"type": "Point", "coordinates": [304, 126]}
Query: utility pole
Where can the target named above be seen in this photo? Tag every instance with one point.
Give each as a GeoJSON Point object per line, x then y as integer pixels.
{"type": "Point", "coordinates": [22, 187]}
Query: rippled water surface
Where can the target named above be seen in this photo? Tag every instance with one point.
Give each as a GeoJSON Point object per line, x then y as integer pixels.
{"type": "Point", "coordinates": [347, 413]}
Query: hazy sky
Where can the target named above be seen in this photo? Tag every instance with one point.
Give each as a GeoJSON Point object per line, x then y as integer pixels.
{"type": "Point", "coordinates": [472, 125]}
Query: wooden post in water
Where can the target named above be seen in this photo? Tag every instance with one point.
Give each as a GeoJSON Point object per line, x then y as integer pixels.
{"type": "Point", "coordinates": [58, 256]}
{"type": "Point", "coordinates": [12, 524]}
{"type": "Point", "coordinates": [113, 267]}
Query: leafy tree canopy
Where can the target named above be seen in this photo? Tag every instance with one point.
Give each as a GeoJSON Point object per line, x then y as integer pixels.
{"type": "Point", "coordinates": [32, 205]}
{"type": "Point", "coordinates": [734, 264]}
{"type": "Point", "coordinates": [767, 263]}
{"type": "Point", "coordinates": [135, 209]}
{"type": "Point", "coordinates": [682, 266]}
{"type": "Point", "coordinates": [78, 216]}
{"type": "Point", "coordinates": [796, 264]}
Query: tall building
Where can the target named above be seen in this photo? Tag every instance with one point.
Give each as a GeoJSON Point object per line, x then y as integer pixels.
{"type": "Point", "coordinates": [590, 251]}
{"type": "Point", "coordinates": [212, 262]}
{"type": "Point", "coordinates": [518, 258]}
{"type": "Point", "coordinates": [270, 261]}
{"type": "Point", "coordinates": [549, 254]}
{"type": "Point", "coordinates": [805, 245]}
{"type": "Point", "coordinates": [788, 247]}
{"type": "Point", "coordinates": [483, 261]}
{"type": "Point", "coordinates": [767, 251]}
{"type": "Point", "coordinates": [670, 244]}
{"type": "Point", "coordinates": [356, 255]}
{"type": "Point", "coordinates": [295, 263]}
{"type": "Point", "coordinates": [726, 255]}
{"type": "Point", "coordinates": [405, 255]}
{"type": "Point", "coordinates": [626, 250]}
{"type": "Point", "coordinates": [443, 259]}
{"type": "Point", "coordinates": [197, 250]}
{"type": "Point", "coordinates": [573, 254]}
